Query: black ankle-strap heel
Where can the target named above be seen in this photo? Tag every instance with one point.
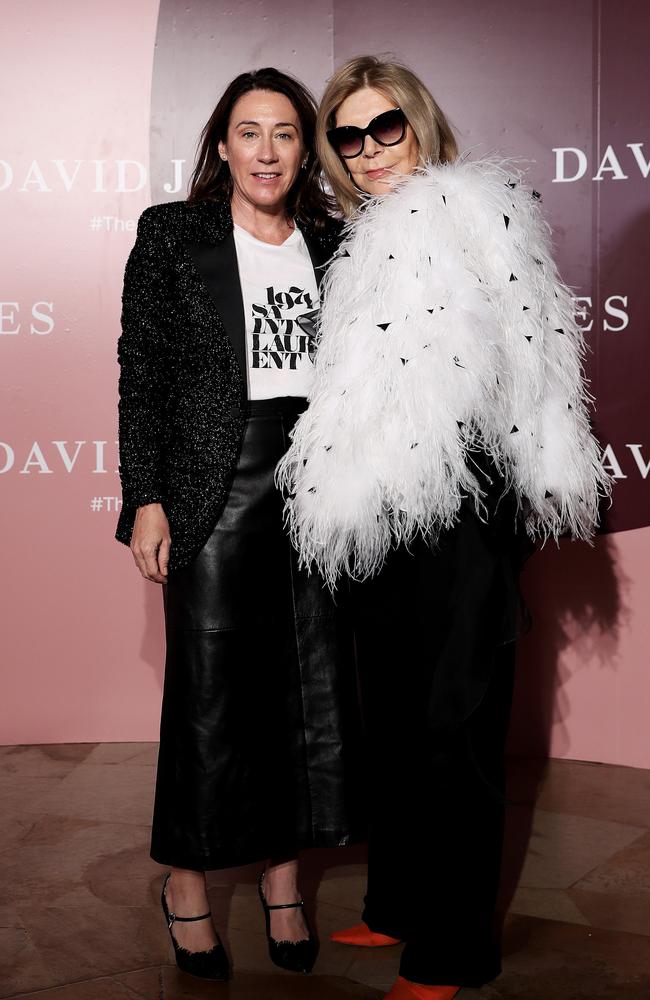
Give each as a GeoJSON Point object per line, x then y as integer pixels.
{"type": "Point", "coordinates": [295, 956]}
{"type": "Point", "coordinates": [212, 964]}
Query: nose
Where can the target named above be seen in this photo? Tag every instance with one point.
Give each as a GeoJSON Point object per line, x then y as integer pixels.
{"type": "Point", "coordinates": [370, 147]}
{"type": "Point", "coordinates": [267, 153]}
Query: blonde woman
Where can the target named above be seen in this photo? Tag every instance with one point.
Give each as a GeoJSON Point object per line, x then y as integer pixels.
{"type": "Point", "coordinates": [447, 430]}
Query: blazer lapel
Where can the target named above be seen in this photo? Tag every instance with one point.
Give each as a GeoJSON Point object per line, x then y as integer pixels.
{"type": "Point", "coordinates": [217, 265]}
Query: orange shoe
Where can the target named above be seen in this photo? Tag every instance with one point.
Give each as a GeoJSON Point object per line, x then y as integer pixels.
{"type": "Point", "coordinates": [404, 989]}
{"type": "Point", "coordinates": [361, 936]}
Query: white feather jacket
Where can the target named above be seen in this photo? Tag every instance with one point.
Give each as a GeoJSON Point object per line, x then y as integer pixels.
{"type": "Point", "coordinates": [445, 325]}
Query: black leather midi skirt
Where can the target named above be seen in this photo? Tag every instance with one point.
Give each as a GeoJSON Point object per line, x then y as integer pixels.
{"type": "Point", "coordinates": [260, 734]}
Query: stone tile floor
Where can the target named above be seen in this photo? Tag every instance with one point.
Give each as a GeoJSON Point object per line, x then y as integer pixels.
{"type": "Point", "coordinates": [80, 918]}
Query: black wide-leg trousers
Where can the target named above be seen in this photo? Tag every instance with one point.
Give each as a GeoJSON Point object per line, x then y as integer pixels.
{"type": "Point", "coordinates": [435, 634]}
{"type": "Point", "coordinates": [434, 848]}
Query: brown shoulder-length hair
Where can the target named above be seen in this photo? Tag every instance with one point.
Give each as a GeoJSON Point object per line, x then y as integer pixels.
{"type": "Point", "coordinates": [307, 200]}
{"type": "Point", "coordinates": [399, 84]}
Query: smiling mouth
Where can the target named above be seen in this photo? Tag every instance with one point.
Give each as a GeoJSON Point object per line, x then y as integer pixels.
{"type": "Point", "coordinates": [266, 175]}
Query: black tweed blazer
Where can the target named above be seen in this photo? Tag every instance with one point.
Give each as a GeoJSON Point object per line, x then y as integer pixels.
{"type": "Point", "coordinates": [182, 358]}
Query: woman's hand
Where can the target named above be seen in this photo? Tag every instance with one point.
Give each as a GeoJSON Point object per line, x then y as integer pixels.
{"type": "Point", "coordinates": [150, 542]}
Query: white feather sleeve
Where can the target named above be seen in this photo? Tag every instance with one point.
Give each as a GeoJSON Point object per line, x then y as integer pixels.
{"type": "Point", "coordinates": [444, 324]}
{"type": "Point", "coordinates": [552, 455]}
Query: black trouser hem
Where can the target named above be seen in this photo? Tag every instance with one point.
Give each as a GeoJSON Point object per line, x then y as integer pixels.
{"type": "Point", "coordinates": [445, 975]}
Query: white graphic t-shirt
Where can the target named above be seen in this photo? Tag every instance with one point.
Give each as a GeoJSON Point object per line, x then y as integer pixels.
{"type": "Point", "coordinates": [278, 285]}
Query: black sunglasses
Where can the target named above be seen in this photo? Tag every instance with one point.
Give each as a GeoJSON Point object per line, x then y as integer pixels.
{"type": "Point", "coordinates": [388, 129]}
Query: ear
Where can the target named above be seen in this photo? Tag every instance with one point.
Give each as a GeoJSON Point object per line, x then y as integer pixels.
{"type": "Point", "coordinates": [223, 152]}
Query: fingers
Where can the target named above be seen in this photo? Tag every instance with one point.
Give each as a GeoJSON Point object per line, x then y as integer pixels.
{"type": "Point", "coordinates": [147, 556]}
{"type": "Point", "coordinates": [139, 560]}
{"type": "Point", "coordinates": [163, 556]}
{"type": "Point", "coordinates": [151, 564]}
{"type": "Point", "coordinates": [151, 542]}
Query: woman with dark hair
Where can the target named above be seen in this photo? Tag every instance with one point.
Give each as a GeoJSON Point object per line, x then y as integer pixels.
{"type": "Point", "coordinates": [258, 734]}
{"type": "Point", "coordinates": [447, 428]}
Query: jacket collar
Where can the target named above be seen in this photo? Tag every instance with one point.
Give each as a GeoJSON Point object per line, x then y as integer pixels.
{"type": "Point", "coordinates": [211, 245]}
{"type": "Point", "coordinates": [211, 223]}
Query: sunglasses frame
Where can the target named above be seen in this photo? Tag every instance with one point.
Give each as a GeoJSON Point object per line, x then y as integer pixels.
{"type": "Point", "coordinates": [363, 132]}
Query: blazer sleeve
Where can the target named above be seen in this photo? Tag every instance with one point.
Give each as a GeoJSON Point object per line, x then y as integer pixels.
{"type": "Point", "coordinates": [143, 380]}
{"type": "Point", "coordinates": [544, 400]}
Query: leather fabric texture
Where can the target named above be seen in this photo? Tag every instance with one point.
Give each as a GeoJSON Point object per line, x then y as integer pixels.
{"type": "Point", "coordinates": [260, 734]}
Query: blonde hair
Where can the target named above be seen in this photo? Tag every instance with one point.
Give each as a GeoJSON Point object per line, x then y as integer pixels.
{"type": "Point", "coordinates": [432, 130]}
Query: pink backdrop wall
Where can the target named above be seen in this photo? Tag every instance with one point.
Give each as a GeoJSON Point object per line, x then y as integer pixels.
{"type": "Point", "coordinates": [107, 103]}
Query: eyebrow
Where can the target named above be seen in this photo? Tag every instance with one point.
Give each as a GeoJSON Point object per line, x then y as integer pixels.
{"type": "Point", "coordinates": [378, 115]}
{"type": "Point", "coordinates": [277, 124]}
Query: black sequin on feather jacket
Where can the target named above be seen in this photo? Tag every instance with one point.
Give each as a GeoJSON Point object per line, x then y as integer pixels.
{"type": "Point", "coordinates": [182, 386]}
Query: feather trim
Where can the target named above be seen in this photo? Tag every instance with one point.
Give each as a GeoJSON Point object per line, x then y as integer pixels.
{"type": "Point", "coordinates": [445, 325]}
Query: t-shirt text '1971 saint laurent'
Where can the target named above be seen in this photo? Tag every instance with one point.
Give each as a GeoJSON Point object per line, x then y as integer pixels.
{"type": "Point", "coordinates": [278, 286]}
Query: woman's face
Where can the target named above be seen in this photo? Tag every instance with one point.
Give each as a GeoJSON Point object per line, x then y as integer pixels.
{"type": "Point", "coordinates": [377, 167]}
{"type": "Point", "coordinates": [264, 149]}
